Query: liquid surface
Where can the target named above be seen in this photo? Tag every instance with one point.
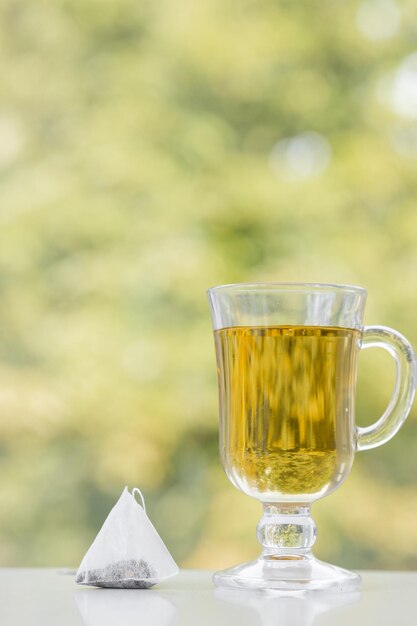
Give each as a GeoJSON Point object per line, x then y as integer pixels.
{"type": "Point", "coordinates": [286, 405]}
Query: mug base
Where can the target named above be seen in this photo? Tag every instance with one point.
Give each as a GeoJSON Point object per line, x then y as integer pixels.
{"type": "Point", "coordinates": [288, 573]}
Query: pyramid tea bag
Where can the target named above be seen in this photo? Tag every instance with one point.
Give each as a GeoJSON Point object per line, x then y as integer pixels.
{"type": "Point", "coordinates": [127, 552]}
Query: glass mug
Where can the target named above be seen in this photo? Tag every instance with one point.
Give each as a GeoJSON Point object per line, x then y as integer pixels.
{"type": "Point", "coordinates": [286, 357]}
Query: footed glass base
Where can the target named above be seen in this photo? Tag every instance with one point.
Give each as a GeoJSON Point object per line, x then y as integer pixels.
{"type": "Point", "coordinates": [288, 573]}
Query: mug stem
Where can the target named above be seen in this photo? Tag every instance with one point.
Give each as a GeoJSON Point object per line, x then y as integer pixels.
{"type": "Point", "coordinates": [286, 531]}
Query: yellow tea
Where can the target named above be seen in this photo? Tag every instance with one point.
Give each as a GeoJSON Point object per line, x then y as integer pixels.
{"type": "Point", "coordinates": [286, 401]}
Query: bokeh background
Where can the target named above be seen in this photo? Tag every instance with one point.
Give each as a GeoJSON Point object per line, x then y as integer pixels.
{"type": "Point", "coordinates": [149, 150]}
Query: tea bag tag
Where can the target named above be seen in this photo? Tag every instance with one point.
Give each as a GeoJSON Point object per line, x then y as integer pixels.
{"type": "Point", "coordinates": [128, 551]}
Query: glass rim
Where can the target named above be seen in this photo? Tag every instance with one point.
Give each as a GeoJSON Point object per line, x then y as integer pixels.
{"type": "Point", "coordinates": [288, 287]}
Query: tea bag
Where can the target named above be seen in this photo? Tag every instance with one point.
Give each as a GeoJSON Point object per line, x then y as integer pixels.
{"type": "Point", "coordinates": [127, 552]}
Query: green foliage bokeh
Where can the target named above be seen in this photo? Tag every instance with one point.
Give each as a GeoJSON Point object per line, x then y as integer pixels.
{"type": "Point", "coordinates": [141, 163]}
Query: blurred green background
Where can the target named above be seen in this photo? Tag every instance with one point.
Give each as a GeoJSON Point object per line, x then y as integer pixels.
{"type": "Point", "coordinates": [148, 151]}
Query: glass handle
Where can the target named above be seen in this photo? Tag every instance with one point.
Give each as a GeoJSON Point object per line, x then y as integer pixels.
{"type": "Point", "coordinates": [402, 398]}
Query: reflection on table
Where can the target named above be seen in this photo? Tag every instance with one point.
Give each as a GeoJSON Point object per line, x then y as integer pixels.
{"type": "Point", "coordinates": [205, 605]}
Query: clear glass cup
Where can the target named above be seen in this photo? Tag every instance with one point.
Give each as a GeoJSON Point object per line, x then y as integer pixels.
{"type": "Point", "coordinates": [287, 358]}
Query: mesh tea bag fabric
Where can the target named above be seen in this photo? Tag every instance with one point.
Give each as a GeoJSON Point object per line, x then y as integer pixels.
{"type": "Point", "coordinates": [127, 552]}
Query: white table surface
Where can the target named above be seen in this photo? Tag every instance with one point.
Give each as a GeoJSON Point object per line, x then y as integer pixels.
{"type": "Point", "coordinates": [47, 597]}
